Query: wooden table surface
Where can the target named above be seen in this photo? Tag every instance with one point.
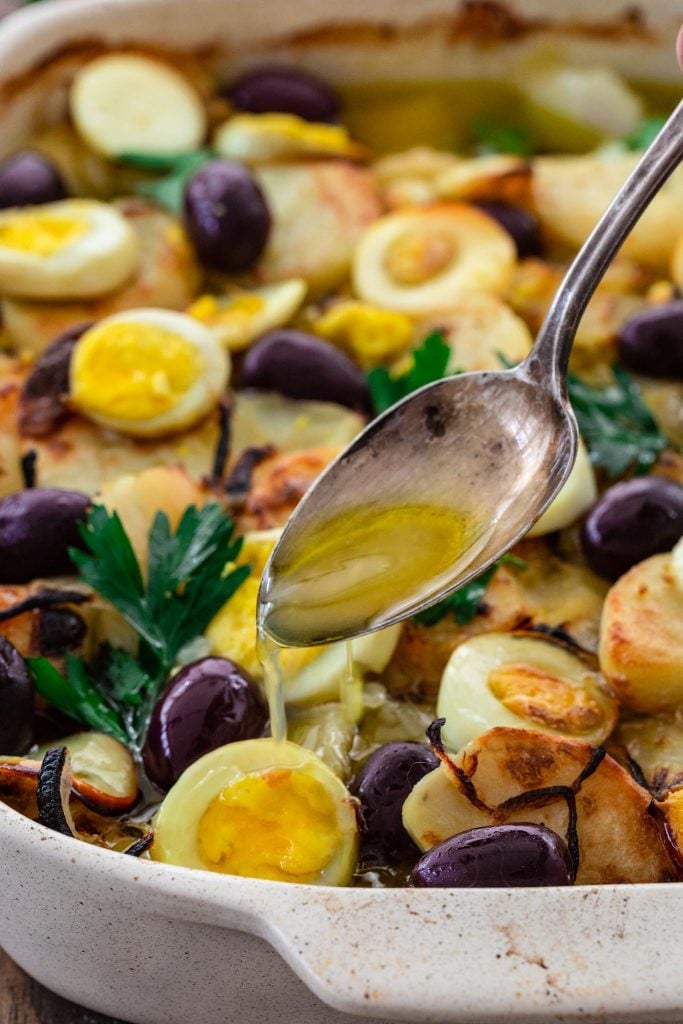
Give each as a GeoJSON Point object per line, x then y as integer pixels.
{"type": "Point", "coordinates": [23, 1001]}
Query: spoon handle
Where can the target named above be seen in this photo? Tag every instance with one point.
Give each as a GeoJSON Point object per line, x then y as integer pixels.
{"type": "Point", "coordinates": [550, 354]}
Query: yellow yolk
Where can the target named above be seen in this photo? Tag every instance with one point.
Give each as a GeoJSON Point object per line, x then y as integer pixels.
{"type": "Point", "coordinates": [371, 334]}
{"type": "Point", "coordinates": [279, 824]}
{"type": "Point", "coordinates": [133, 371]}
{"type": "Point", "coordinates": [40, 234]}
{"type": "Point", "coordinates": [238, 309]}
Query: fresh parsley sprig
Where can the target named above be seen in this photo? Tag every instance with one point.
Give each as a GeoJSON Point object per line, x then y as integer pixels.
{"type": "Point", "coordinates": [186, 584]}
{"type": "Point", "coordinates": [465, 602]}
{"type": "Point", "coordinates": [645, 133]}
{"type": "Point", "coordinates": [167, 190]}
{"type": "Point", "coordinates": [615, 423]}
{"type": "Point", "coordinates": [428, 363]}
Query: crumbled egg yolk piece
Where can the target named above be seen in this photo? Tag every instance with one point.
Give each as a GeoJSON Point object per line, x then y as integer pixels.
{"type": "Point", "coordinates": [236, 309]}
{"type": "Point", "coordinates": [232, 632]}
{"type": "Point", "coordinates": [545, 699]}
{"type": "Point", "coordinates": [280, 824]}
{"type": "Point", "coordinates": [369, 333]}
{"type": "Point", "coordinates": [40, 234]}
{"type": "Point", "coordinates": [133, 371]}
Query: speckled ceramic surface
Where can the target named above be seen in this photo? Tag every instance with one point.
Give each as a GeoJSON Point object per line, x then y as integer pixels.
{"type": "Point", "coordinates": [158, 945]}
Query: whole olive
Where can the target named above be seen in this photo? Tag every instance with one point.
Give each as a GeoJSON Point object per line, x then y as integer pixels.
{"type": "Point", "coordinates": [520, 224]}
{"type": "Point", "coordinates": [43, 402]}
{"type": "Point", "coordinates": [285, 90]}
{"type": "Point", "coordinates": [630, 522]}
{"type": "Point", "coordinates": [651, 342]}
{"type": "Point", "coordinates": [299, 365]}
{"type": "Point", "coordinates": [37, 527]}
{"type": "Point", "coordinates": [226, 216]}
{"type": "Point", "coordinates": [495, 856]}
{"type": "Point", "coordinates": [16, 701]}
{"type": "Point", "coordinates": [382, 785]}
{"type": "Point", "coordinates": [207, 704]}
{"type": "Point", "coordinates": [27, 179]}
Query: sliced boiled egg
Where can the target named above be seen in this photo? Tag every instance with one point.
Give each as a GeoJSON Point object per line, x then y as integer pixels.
{"type": "Point", "coordinates": [262, 138]}
{"type": "Point", "coordinates": [126, 102]}
{"type": "Point", "coordinates": [370, 334]}
{"type": "Point", "coordinates": [147, 372]}
{"type": "Point", "coordinates": [310, 674]}
{"type": "Point", "coordinates": [71, 249]}
{"type": "Point", "coordinates": [419, 260]}
{"type": "Point", "coordinates": [260, 810]}
{"type": "Point", "coordinates": [524, 682]}
{"type": "Point", "coordinates": [240, 317]}
{"type": "Point", "coordinates": [579, 492]}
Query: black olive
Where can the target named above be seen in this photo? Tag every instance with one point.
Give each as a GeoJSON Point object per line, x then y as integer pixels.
{"type": "Point", "coordinates": [59, 630]}
{"type": "Point", "coordinates": [285, 90]}
{"type": "Point", "coordinates": [43, 398]}
{"type": "Point", "coordinates": [37, 528]}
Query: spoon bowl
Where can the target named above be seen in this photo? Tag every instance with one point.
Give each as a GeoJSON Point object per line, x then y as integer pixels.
{"type": "Point", "coordinates": [443, 483]}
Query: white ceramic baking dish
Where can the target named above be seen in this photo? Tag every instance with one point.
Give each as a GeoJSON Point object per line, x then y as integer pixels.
{"type": "Point", "coordinates": [157, 945]}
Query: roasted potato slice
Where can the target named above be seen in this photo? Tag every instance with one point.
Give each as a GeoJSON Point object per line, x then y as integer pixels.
{"type": "Point", "coordinates": [641, 637]}
{"type": "Point", "coordinates": [479, 328]}
{"type": "Point", "coordinates": [655, 744]}
{"type": "Point", "coordinates": [278, 484]}
{"type": "Point", "coordinates": [618, 838]}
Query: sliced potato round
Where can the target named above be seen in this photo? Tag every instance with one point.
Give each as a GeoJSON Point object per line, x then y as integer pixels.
{"type": "Point", "coordinates": [265, 138]}
{"type": "Point", "coordinates": [522, 681]}
{"type": "Point", "coordinates": [290, 425]}
{"type": "Point", "coordinates": [166, 277]}
{"type": "Point", "coordinates": [570, 194]}
{"type": "Point", "coordinates": [480, 328]}
{"type": "Point", "coordinates": [261, 810]}
{"type": "Point", "coordinates": [619, 840]}
{"type": "Point", "coordinates": [104, 771]}
{"type": "Point", "coordinates": [418, 261]}
{"type": "Point", "coordinates": [641, 637]}
{"type": "Point", "coordinates": [71, 249]}
{"type": "Point", "coordinates": [129, 103]}
{"type": "Point", "coordinates": [576, 497]}
{"type": "Point", "coordinates": [497, 176]}
{"type": "Point", "coordinates": [239, 317]}
{"type": "Point", "coordinates": [656, 746]}
{"type": "Point", "coordinates": [320, 210]}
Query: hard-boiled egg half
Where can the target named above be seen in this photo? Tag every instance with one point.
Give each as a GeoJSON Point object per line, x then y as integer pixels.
{"type": "Point", "coordinates": [524, 682]}
{"type": "Point", "coordinates": [310, 674]}
{"type": "Point", "coordinates": [260, 810]}
{"type": "Point", "coordinates": [147, 372]}
{"type": "Point", "coordinates": [418, 260]}
{"type": "Point", "coordinates": [261, 138]}
{"type": "Point", "coordinates": [71, 249]}
{"type": "Point", "coordinates": [242, 315]}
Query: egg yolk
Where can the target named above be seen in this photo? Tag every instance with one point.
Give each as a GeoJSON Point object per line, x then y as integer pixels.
{"type": "Point", "coordinates": [40, 234]}
{"type": "Point", "coordinates": [371, 334]}
{"type": "Point", "coordinates": [238, 310]}
{"type": "Point", "coordinates": [133, 371]}
{"type": "Point", "coordinates": [280, 824]}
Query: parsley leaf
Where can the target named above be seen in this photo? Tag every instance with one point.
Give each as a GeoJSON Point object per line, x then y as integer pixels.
{"type": "Point", "coordinates": [428, 363]}
{"type": "Point", "coordinates": [616, 424]}
{"type": "Point", "coordinates": [168, 190]}
{"type": "Point", "coordinates": [495, 136]}
{"type": "Point", "coordinates": [642, 136]}
{"type": "Point", "coordinates": [187, 583]}
{"type": "Point", "coordinates": [465, 602]}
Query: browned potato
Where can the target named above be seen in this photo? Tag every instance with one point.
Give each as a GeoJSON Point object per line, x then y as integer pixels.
{"type": "Point", "coordinates": [619, 840]}
{"type": "Point", "coordinates": [655, 743]}
{"type": "Point", "coordinates": [278, 484]}
{"type": "Point", "coordinates": [641, 637]}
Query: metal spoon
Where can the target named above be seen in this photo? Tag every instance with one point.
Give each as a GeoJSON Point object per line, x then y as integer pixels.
{"type": "Point", "coordinates": [498, 446]}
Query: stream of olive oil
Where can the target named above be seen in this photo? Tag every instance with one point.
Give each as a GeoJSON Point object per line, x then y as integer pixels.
{"type": "Point", "coordinates": [268, 653]}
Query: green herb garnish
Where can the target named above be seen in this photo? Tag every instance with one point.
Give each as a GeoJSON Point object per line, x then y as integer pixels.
{"type": "Point", "coordinates": [187, 584]}
{"type": "Point", "coordinates": [428, 363]}
{"type": "Point", "coordinates": [465, 602]}
{"type": "Point", "coordinates": [168, 190]}
{"type": "Point", "coordinates": [615, 423]}
{"type": "Point", "coordinates": [646, 132]}
{"type": "Point", "coordinates": [497, 136]}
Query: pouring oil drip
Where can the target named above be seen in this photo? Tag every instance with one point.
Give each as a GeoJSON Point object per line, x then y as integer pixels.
{"type": "Point", "coordinates": [268, 653]}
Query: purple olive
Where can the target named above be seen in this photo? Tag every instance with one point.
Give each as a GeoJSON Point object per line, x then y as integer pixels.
{"type": "Point", "coordinates": [299, 365]}
{"type": "Point", "coordinates": [630, 522]}
{"type": "Point", "coordinates": [37, 527]}
{"type": "Point", "coordinates": [28, 179]}
{"type": "Point", "coordinates": [651, 342]}
{"type": "Point", "coordinates": [16, 701]}
{"type": "Point", "coordinates": [226, 216]}
{"type": "Point", "coordinates": [382, 786]}
{"type": "Point", "coordinates": [206, 705]}
{"type": "Point", "coordinates": [285, 90]}
{"type": "Point", "coordinates": [495, 856]}
{"type": "Point", "coordinates": [43, 402]}
{"type": "Point", "coordinates": [520, 224]}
